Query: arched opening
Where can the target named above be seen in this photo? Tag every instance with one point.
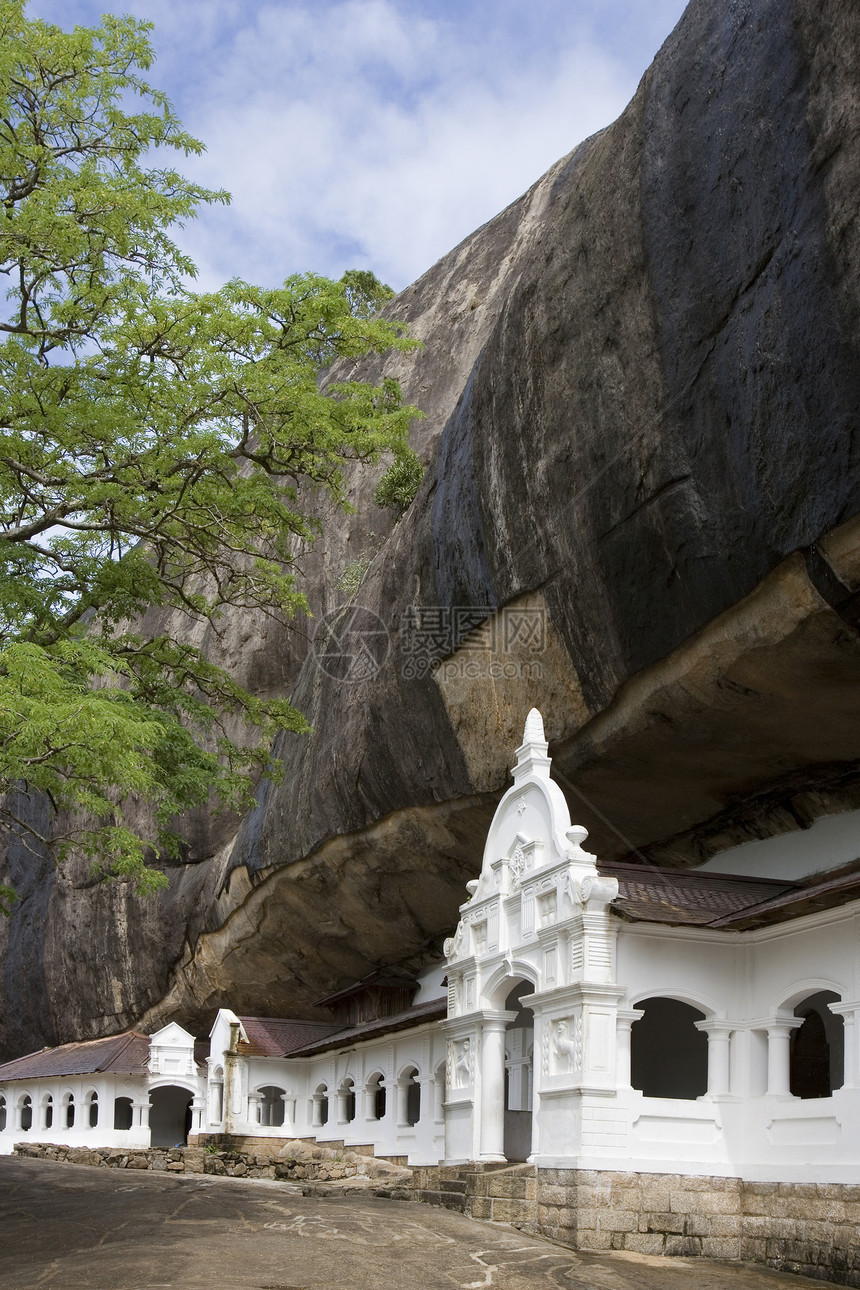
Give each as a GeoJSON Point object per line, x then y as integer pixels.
{"type": "Point", "coordinates": [122, 1113]}
{"type": "Point", "coordinates": [817, 1053]}
{"type": "Point", "coordinates": [668, 1055]}
{"type": "Point", "coordinates": [519, 1049]}
{"type": "Point", "coordinates": [69, 1108]}
{"type": "Point", "coordinates": [408, 1097]}
{"type": "Point", "coordinates": [2, 1114]}
{"type": "Point", "coordinates": [170, 1116]}
{"type": "Point", "coordinates": [47, 1111]}
{"type": "Point", "coordinates": [376, 1097]}
{"type": "Point", "coordinates": [272, 1106]}
{"type": "Point", "coordinates": [26, 1120]}
{"type": "Point", "coordinates": [319, 1109]}
{"type": "Point", "coordinates": [92, 1105]}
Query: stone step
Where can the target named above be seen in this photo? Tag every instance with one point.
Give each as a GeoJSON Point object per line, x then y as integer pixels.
{"type": "Point", "coordinates": [445, 1199]}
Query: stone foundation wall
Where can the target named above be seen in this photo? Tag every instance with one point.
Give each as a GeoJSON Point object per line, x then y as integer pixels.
{"type": "Point", "coordinates": [674, 1214]}
{"type": "Point", "coordinates": [295, 1161]}
{"type": "Point", "coordinates": [812, 1230]}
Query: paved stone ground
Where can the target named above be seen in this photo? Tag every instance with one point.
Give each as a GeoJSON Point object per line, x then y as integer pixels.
{"type": "Point", "coordinates": [69, 1227]}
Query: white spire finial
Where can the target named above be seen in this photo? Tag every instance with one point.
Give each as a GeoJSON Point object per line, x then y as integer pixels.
{"type": "Point", "coordinates": [533, 730]}
{"type": "Point", "coordinates": [531, 755]}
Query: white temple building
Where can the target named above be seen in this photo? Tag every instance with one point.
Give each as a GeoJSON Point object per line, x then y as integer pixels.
{"type": "Point", "coordinates": [587, 1017]}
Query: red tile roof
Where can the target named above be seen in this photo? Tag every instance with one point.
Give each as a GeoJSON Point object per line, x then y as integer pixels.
{"type": "Point", "coordinates": [272, 1037]}
{"type": "Point", "coordinates": [695, 898]}
{"type": "Point", "coordinates": [688, 897]}
{"type": "Point", "coordinates": [126, 1054]}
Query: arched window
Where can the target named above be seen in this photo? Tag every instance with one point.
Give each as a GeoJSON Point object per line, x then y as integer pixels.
{"type": "Point", "coordinates": [346, 1095]}
{"type": "Point", "coordinates": [668, 1055]}
{"type": "Point", "coordinates": [122, 1113]}
{"type": "Point", "coordinates": [2, 1114]}
{"type": "Point", "coordinates": [376, 1097]}
{"type": "Point", "coordinates": [320, 1106]}
{"type": "Point", "coordinates": [26, 1113]}
{"type": "Point", "coordinates": [816, 1058]}
{"type": "Point", "coordinates": [92, 1103]}
{"type": "Point", "coordinates": [47, 1111]}
{"type": "Point", "coordinates": [412, 1095]}
{"type": "Point", "coordinates": [69, 1103]}
{"type": "Point", "coordinates": [271, 1106]}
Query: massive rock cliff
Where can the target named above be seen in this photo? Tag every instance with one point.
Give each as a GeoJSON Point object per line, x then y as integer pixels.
{"type": "Point", "coordinates": [642, 388]}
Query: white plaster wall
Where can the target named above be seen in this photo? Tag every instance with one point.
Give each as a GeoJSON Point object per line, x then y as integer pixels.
{"type": "Point", "coordinates": [81, 1134]}
{"type": "Point", "coordinates": [422, 1048]}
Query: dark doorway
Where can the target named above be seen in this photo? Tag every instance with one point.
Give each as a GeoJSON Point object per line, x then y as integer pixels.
{"type": "Point", "coordinates": [519, 1074]}
{"type": "Point", "coordinates": [169, 1116]}
{"type": "Point", "coordinates": [817, 1057]}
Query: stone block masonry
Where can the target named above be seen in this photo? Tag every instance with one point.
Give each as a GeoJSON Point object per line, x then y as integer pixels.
{"type": "Point", "coordinates": [808, 1228]}
{"type": "Point", "coordinates": [811, 1230]}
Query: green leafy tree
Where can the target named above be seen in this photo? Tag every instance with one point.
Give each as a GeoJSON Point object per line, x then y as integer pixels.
{"type": "Point", "coordinates": [156, 447]}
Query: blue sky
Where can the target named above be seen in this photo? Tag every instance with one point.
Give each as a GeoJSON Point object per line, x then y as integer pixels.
{"type": "Point", "coordinates": [378, 133]}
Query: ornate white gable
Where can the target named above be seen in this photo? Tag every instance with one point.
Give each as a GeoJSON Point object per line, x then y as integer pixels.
{"type": "Point", "coordinates": [536, 881]}
{"type": "Point", "coordinates": [537, 914]}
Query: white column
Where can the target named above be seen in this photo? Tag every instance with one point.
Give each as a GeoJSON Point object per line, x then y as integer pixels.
{"type": "Point", "coordinates": [370, 1104]}
{"type": "Point", "coordinates": [719, 1036]}
{"type": "Point", "coordinates": [287, 1122]}
{"type": "Point", "coordinates": [342, 1098]}
{"type": "Point", "coordinates": [402, 1104]}
{"type": "Point", "coordinates": [316, 1111]}
{"type": "Point", "coordinates": [492, 1091]}
{"type": "Point", "coordinates": [778, 1049]}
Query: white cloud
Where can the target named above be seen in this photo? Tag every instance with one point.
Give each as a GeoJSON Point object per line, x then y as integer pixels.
{"type": "Point", "coordinates": [330, 163]}
{"type": "Point", "coordinates": [374, 132]}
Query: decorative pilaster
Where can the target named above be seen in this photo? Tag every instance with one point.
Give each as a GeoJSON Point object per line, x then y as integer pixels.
{"type": "Point", "coordinates": [624, 1019]}
{"type": "Point", "coordinates": [850, 1014]}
